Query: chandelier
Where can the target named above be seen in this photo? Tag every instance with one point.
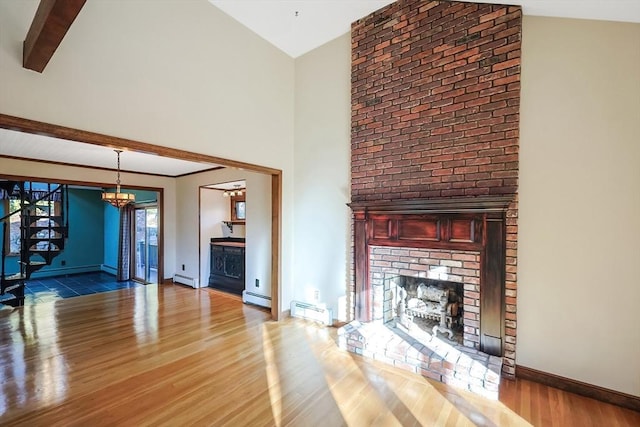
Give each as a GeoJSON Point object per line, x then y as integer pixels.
{"type": "Point", "coordinates": [236, 192]}
{"type": "Point", "coordinates": [118, 199]}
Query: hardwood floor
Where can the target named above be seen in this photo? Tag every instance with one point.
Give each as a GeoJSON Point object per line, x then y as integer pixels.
{"type": "Point", "coordinates": [171, 355]}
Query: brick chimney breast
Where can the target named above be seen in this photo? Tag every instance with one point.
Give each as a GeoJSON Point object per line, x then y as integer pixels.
{"type": "Point", "coordinates": [435, 101]}
{"type": "Point", "coordinates": [435, 113]}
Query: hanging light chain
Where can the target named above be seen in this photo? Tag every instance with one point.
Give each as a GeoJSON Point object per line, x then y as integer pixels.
{"type": "Point", "coordinates": [118, 176]}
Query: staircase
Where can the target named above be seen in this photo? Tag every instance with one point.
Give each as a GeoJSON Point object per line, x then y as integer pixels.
{"type": "Point", "coordinates": [43, 231]}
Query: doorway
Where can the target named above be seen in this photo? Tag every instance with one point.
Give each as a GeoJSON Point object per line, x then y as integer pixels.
{"type": "Point", "coordinates": [27, 126]}
{"type": "Point", "coordinates": [145, 237]}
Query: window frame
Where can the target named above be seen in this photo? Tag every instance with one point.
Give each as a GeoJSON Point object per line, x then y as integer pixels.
{"type": "Point", "coordinates": [234, 209]}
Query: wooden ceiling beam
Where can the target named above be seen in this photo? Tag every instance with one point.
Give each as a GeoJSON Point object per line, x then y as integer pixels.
{"type": "Point", "coordinates": [49, 26]}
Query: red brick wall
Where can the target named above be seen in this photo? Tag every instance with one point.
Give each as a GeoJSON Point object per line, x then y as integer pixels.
{"type": "Point", "coordinates": [435, 100]}
{"type": "Point", "coordinates": [435, 111]}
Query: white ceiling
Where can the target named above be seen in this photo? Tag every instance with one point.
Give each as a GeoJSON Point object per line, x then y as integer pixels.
{"type": "Point", "coordinates": [232, 185]}
{"type": "Point", "coordinates": [298, 26]}
{"type": "Point", "coordinates": [39, 147]}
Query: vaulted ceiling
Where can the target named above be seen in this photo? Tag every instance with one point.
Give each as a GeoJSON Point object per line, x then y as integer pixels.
{"type": "Point", "coordinates": [294, 26]}
{"type": "Point", "coordinates": [298, 26]}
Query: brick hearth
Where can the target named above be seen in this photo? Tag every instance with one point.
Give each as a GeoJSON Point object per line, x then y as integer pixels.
{"type": "Point", "coordinates": [416, 351]}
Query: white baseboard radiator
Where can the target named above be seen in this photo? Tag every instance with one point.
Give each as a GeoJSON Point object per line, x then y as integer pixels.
{"type": "Point", "coordinates": [185, 280]}
{"type": "Point", "coordinates": [308, 311]}
{"type": "Point", "coordinates": [257, 299]}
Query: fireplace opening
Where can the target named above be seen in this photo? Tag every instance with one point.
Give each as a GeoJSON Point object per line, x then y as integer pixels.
{"type": "Point", "coordinates": [434, 306]}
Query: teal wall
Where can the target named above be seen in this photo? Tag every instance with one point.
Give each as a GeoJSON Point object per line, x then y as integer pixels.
{"type": "Point", "coordinates": [93, 235]}
{"type": "Point", "coordinates": [84, 248]}
{"type": "Point", "coordinates": [111, 231]}
{"type": "Point", "coordinates": [112, 227]}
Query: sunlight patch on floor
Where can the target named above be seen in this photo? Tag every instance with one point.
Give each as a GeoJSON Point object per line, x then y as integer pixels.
{"type": "Point", "coordinates": [145, 314]}
{"type": "Point", "coordinates": [35, 325]}
{"type": "Point", "coordinates": [382, 394]}
{"type": "Point", "coordinates": [355, 396]}
{"type": "Point", "coordinates": [273, 378]}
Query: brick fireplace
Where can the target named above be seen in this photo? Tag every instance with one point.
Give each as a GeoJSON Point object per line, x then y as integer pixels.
{"type": "Point", "coordinates": [458, 240]}
{"type": "Point", "coordinates": [434, 143]}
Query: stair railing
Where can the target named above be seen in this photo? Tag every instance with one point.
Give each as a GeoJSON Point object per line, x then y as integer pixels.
{"type": "Point", "coordinates": [16, 283]}
{"type": "Point", "coordinates": [25, 207]}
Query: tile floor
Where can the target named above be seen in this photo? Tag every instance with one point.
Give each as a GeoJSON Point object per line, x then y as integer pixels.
{"type": "Point", "coordinates": [54, 288]}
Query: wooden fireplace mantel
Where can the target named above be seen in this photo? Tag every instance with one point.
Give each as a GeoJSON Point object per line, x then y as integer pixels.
{"type": "Point", "coordinates": [450, 205]}
{"type": "Point", "coordinates": [468, 224]}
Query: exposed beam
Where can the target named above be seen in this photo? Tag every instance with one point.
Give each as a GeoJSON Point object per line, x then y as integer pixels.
{"type": "Point", "coordinates": [50, 24]}
{"type": "Point", "coordinates": [71, 134]}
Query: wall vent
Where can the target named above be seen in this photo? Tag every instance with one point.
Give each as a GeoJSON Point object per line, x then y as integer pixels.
{"type": "Point", "coordinates": [308, 311]}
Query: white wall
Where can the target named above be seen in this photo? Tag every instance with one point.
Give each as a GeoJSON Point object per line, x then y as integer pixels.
{"type": "Point", "coordinates": [214, 208]}
{"type": "Point", "coordinates": [322, 158]}
{"type": "Point", "coordinates": [54, 172]}
{"type": "Point", "coordinates": [258, 235]}
{"type": "Point", "coordinates": [173, 73]}
{"type": "Point", "coordinates": [180, 74]}
{"type": "Point", "coordinates": [579, 226]}
{"type": "Point", "coordinates": [192, 248]}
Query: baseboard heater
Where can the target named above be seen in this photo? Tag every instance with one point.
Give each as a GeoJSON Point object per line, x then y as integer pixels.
{"type": "Point", "coordinates": [185, 280]}
{"type": "Point", "coordinates": [308, 311]}
{"type": "Point", "coordinates": [257, 299]}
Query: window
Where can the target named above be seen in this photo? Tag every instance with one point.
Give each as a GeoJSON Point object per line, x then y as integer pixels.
{"type": "Point", "coordinates": [42, 208]}
{"type": "Point", "coordinates": [238, 208]}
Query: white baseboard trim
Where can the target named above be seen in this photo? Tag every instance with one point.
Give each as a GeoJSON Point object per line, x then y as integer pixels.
{"type": "Point", "coordinates": [257, 299]}
{"type": "Point", "coordinates": [310, 311]}
{"type": "Point", "coordinates": [185, 280]}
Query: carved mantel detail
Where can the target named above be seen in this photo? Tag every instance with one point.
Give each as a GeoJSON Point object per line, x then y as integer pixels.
{"type": "Point", "coordinates": [471, 223]}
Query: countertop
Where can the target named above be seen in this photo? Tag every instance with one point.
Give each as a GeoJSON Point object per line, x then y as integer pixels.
{"type": "Point", "coordinates": [233, 244]}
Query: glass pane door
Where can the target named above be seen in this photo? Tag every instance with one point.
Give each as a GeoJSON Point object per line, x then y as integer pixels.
{"type": "Point", "coordinates": [146, 244]}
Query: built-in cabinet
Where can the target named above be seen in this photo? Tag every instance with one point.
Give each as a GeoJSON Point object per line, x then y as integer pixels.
{"type": "Point", "coordinates": [227, 264]}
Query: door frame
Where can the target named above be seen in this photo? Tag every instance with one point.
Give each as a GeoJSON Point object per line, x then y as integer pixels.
{"type": "Point", "coordinates": [41, 128]}
{"type": "Point", "coordinates": [145, 206]}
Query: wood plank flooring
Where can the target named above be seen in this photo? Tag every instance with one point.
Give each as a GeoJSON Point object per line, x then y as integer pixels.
{"type": "Point", "coordinates": [175, 356]}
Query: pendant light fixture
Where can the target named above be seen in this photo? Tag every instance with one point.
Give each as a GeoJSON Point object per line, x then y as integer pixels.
{"type": "Point", "coordinates": [118, 199]}
{"type": "Point", "coordinates": [236, 192]}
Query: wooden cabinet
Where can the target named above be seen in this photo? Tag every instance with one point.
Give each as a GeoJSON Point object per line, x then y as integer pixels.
{"type": "Point", "coordinates": [226, 264]}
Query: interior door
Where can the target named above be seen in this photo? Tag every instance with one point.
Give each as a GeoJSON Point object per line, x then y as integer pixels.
{"type": "Point", "coordinates": [145, 238]}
